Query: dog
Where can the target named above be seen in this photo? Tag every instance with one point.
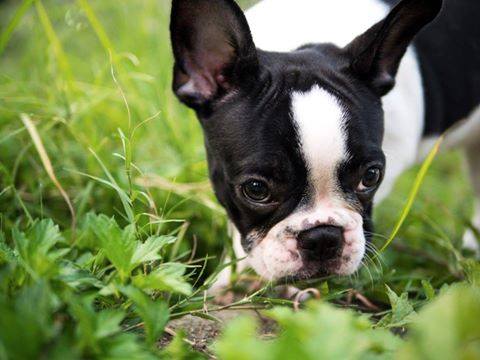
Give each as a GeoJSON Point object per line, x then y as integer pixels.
{"type": "Point", "coordinates": [312, 108]}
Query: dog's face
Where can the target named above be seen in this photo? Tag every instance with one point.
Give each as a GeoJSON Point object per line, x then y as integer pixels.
{"type": "Point", "coordinates": [294, 140]}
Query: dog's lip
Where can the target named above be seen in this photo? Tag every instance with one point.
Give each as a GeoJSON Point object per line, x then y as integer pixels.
{"type": "Point", "coordinates": [312, 271]}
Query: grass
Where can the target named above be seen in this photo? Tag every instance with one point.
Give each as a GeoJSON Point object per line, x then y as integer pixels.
{"type": "Point", "coordinates": [86, 106]}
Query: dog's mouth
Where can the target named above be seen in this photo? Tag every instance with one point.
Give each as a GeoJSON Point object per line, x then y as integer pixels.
{"type": "Point", "coordinates": [324, 251]}
{"type": "Point", "coordinates": [314, 270]}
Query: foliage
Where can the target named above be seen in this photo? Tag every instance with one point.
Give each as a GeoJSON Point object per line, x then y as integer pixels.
{"type": "Point", "coordinates": [66, 298]}
{"type": "Point", "coordinates": [448, 328]}
{"type": "Point", "coordinates": [319, 332]}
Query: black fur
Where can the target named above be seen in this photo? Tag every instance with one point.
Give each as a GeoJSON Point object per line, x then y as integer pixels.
{"type": "Point", "coordinates": [449, 54]}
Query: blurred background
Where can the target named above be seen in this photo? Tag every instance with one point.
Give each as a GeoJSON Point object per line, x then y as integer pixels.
{"type": "Point", "coordinates": [94, 78]}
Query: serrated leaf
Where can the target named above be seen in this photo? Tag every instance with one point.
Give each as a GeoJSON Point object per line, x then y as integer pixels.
{"type": "Point", "coordinates": [402, 312]}
{"type": "Point", "coordinates": [168, 277]}
{"type": "Point", "coordinates": [35, 248]}
{"type": "Point", "coordinates": [243, 331]}
{"type": "Point", "coordinates": [149, 250]}
{"type": "Point", "coordinates": [154, 314]}
{"type": "Point", "coordinates": [7, 255]}
{"type": "Point", "coordinates": [471, 269]}
{"type": "Point", "coordinates": [121, 246]}
{"type": "Point", "coordinates": [118, 245]}
{"type": "Point", "coordinates": [78, 278]}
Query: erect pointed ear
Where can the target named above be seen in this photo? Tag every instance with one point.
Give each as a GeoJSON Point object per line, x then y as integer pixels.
{"type": "Point", "coordinates": [377, 53]}
{"type": "Point", "coordinates": [213, 49]}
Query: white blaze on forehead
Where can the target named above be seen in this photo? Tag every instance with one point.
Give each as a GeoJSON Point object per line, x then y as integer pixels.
{"type": "Point", "coordinates": [320, 123]}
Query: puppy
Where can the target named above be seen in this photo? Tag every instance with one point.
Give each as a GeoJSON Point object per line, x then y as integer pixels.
{"type": "Point", "coordinates": [310, 105]}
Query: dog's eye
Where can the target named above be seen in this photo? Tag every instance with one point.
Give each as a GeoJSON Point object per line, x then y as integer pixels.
{"type": "Point", "coordinates": [256, 191]}
{"type": "Point", "coordinates": [370, 179]}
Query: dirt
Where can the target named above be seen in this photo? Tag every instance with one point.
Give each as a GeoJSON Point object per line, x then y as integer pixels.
{"type": "Point", "coordinates": [200, 332]}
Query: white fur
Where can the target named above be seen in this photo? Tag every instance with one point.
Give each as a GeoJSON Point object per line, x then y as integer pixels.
{"type": "Point", "coordinates": [276, 255]}
{"type": "Point", "coordinates": [223, 280]}
{"type": "Point", "coordinates": [465, 133]}
{"type": "Point", "coordinates": [404, 122]}
{"type": "Point", "coordinates": [283, 25]}
{"type": "Point", "coordinates": [320, 124]}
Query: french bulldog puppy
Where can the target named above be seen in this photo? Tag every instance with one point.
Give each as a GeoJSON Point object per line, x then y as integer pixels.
{"type": "Point", "coordinates": [310, 105]}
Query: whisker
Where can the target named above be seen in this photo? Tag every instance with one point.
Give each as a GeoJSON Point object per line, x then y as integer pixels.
{"type": "Point", "coordinates": [369, 272]}
{"type": "Point", "coordinates": [376, 254]}
{"type": "Point", "coordinates": [374, 260]}
{"type": "Point", "coordinates": [377, 235]}
{"type": "Point", "coordinates": [377, 266]}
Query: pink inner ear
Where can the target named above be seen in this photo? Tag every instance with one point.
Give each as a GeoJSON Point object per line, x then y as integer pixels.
{"type": "Point", "coordinates": [205, 66]}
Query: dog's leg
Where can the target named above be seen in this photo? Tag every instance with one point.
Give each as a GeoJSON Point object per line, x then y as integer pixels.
{"type": "Point", "coordinates": [223, 280]}
{"type": "Point", "coordinates": [470, 240]}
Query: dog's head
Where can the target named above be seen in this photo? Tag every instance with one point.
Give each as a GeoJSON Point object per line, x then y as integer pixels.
{"type": "Point", "coordinates": [294, 140]}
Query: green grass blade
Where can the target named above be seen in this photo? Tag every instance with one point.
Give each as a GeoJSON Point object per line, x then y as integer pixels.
{"type": "Point", "coordinates": [414, 192]}
{"type": "Point", "coordinates": [124, 197]}
{"type": "Point", "coordinates": [96, 25]}
{"type": "Point", "coordinates": [7, 33]}
{"type": "Point", "coordinates": [54, 41]}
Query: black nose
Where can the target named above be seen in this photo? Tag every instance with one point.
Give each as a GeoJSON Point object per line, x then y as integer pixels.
{"type": "Point", "coordinates": [321, 243]}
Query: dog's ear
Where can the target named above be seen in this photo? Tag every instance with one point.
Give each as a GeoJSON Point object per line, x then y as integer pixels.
{"type": "Point", "coordinates": [213, 49]}
{"type": "Point", "coordinates": [376, 54]}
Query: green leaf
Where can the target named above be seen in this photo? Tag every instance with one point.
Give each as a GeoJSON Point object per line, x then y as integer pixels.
{"type": "Point", "coordinates": [96, 330]}
{"type": "Point", "coordinates": [121, 246]}
{"type": "Point", "coordinates": [108, 322]}
{"type": "Point", "coordinates": [78, 279]}
{"type": "Point", "coordinates": [448, 328]}
{"type": "Point", "coordinates": [118, 245]}
{"type": "Point", "coordinates": [125, 346]}
{"type": "Point", "coordinates": [428, 289]}
{"type": "Point", "coordinates": [154, 314]}
{"type": "Point", "coordinates": [7, 255]}
{"type": "Point", "coordinates": [35, 248]}
{"type": "Point", "coordinates": [471, 269]}
{"type": "Point", "coordinates": [168, 277]}
{"type": "Point", "coordinates": [402, 313]}
{"type": "Point", "coordinates": [149, 250]}
{"type": "Point", "coordinates": [25, 321]}
{"type": "Point", "coordinates": [319, 332]}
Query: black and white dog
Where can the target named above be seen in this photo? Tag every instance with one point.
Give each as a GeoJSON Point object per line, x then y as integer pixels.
{"type": "Point", "coordinates": [300, 134]}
